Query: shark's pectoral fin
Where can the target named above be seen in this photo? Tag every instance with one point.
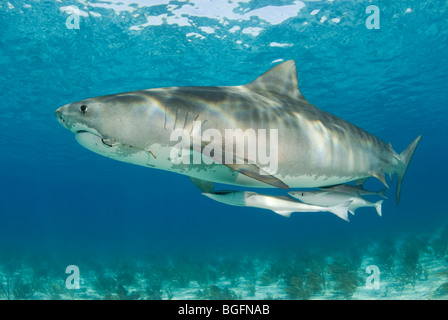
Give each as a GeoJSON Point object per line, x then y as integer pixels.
{"type": "Point", "coordinates": [254, 172]}
{"type": "Point", "coordinates": [246, 168]}
{"type": "Point", "coordinates": [203, 185]}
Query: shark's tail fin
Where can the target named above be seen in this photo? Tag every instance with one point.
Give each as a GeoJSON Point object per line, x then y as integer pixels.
{"type": "Point", "coordinates": [406, 157]}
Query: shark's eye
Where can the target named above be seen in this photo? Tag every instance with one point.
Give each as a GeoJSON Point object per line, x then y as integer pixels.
{"type": "Point", "coordinates": [83, 108]}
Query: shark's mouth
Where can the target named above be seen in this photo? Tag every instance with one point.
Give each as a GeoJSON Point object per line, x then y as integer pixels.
{"type": "Point", "coordinates": [98, 144]}
{"type": "Point", "coordinates": [110, 148]}
{"type": "Point", "coordinates": [107, 142]}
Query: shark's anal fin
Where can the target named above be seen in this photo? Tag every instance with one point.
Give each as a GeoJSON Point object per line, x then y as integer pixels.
{"type": "Point", "coordinates": [203, 185]}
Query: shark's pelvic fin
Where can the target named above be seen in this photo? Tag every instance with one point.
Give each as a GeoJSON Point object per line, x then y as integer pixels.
{"type": "Point", "coordinates": [406, 157]}
{"type": "Point", "coordinates": [380, 176]}
{"type": "Point", "coordinates": [281, 79]}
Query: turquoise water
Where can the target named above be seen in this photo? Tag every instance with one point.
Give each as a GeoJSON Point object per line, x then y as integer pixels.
{"type": "Point", "coordinates": [138, 233]}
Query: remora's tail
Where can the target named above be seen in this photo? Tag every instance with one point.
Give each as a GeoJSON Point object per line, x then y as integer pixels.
{"type": "Point", "coordinates": [406, 157]}
{"type": "Point", "coordinates": [378, 207]}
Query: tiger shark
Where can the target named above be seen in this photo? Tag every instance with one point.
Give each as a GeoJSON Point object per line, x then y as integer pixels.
{"type": "Point", "coordinates": [306, 147]}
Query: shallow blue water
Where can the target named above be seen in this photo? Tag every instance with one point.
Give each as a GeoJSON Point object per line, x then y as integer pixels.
{"type": "Point", "coordinates": [58, 197]}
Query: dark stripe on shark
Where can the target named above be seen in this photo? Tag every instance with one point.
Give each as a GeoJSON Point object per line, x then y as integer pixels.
{"type": "Point", "coordinates": [124, 98]}
{"type": "Point", "coordinates": [199, 94]}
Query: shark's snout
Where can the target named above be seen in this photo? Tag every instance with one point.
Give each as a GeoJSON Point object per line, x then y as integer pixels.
{"type": "Point", "coordinates": [60, 116]}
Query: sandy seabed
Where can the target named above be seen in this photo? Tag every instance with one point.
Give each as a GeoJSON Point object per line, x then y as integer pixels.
{"type": "Point", "coordinates": [410, 267]}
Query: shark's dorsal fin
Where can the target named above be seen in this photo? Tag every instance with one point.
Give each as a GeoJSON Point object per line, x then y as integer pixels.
{"type": "Point", "coordinates": [281, 79]}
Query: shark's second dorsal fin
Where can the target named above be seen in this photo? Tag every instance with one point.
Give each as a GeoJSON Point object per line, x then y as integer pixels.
{"type": "Point", "coordinates": [281, 79]}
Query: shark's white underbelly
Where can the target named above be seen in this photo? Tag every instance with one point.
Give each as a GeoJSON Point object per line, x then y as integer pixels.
{"type": "Point", "coordinates": [156, 156]}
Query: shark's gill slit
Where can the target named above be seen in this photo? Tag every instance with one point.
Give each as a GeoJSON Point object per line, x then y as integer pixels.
{"type": "Point", "coordinates": [150, 152]}
{"type": "Point", "coordinates": [175, 119]}
{"type": "Point", "coordinates": [186, 118]}
{"type": "Point", "coordinates": [192, 125]}
{"type": "Point", "coordinates": [164, 124]}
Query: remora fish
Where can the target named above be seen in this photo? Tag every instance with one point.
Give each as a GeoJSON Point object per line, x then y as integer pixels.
{"type": "Point", "coordinates": [332, 198]}
{"type": "Point", "coordinates": [279, 204]}
{"type": "Point", "coordinates": [357, 190]}
{"type": "Point", "coordinates": [314, 148]}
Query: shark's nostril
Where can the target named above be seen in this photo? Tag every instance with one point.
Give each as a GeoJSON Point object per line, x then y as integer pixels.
{"type": "Point", "coordinates": [59, 116]}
